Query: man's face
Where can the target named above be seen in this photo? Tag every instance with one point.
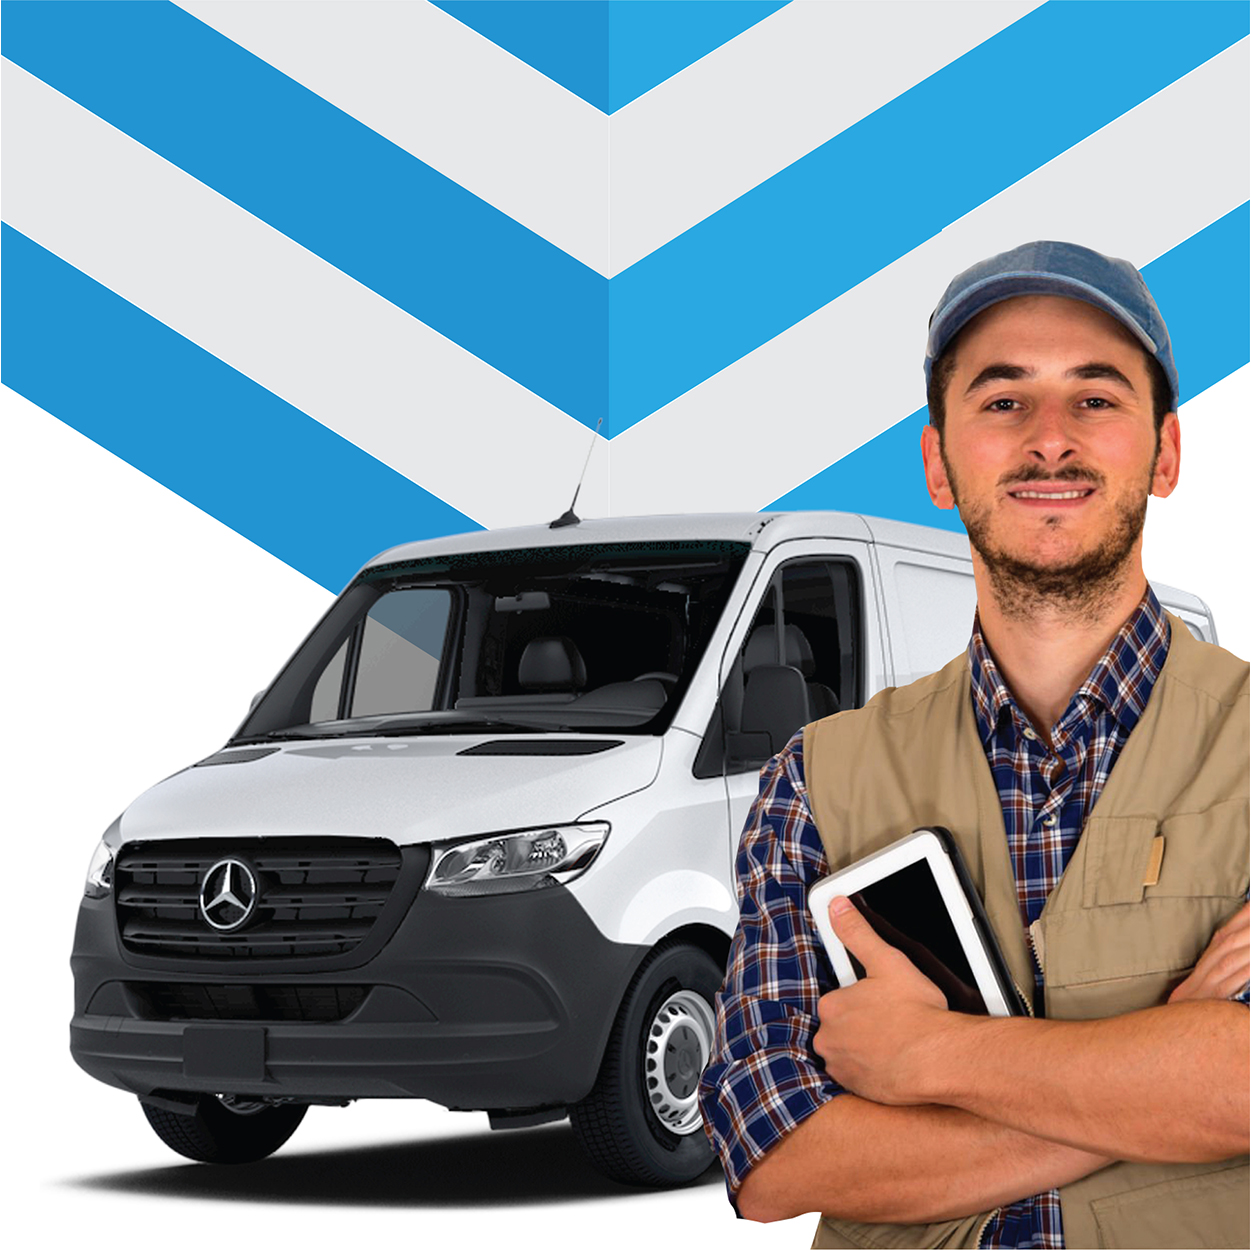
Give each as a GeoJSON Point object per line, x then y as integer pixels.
{"type": "Point", "coordinates": [1049, 447]}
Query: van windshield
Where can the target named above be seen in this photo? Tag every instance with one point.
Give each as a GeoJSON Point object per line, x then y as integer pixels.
{"type": "Point", "coordinates": [600, 637]}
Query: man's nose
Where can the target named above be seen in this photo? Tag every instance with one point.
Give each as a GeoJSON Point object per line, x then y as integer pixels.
{"type": "Point", "coordinates": [1050, 433]}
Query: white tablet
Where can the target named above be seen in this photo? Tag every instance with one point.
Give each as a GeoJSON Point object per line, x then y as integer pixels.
{"type": "Point", "coordinates": [917, 895]}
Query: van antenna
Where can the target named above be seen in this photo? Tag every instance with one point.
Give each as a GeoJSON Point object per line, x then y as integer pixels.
{"type": "Point", "coordinates": [571, 517]}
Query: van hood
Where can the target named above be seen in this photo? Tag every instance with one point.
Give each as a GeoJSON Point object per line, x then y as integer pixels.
{"type": "Point", "coordinates": [409, 790]}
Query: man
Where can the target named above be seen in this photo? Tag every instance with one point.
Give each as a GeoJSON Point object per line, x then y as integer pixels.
{"type": "Point", "coordinates": [1118, 1119]}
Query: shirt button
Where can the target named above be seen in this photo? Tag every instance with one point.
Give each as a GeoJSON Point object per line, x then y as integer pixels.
{"type": "Point", "coordinates": [1031, 735]}
{"type": "Point", "coordinates": [1049, 822]}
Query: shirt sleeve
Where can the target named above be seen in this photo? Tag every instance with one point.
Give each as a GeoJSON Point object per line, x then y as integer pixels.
{"type": "Point", "coordinates": [763, 1078]}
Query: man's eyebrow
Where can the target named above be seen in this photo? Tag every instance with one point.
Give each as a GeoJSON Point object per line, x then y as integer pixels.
{"type": "Point", "coordinates": [998, 373]}
{"type": "Point", "coordinates": [1096, 370]}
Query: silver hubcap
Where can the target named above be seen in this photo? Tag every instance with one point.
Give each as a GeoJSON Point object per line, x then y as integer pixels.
{"type": "Point", "coordinates": [240, 1106]}
{"type": "Point", "coordinates": [679, 1042]}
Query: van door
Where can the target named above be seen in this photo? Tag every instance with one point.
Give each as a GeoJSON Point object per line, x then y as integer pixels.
{"type": "Point", "coordinates": [929, 601]}
{"type": "Point", "coordinates": [807, 644]}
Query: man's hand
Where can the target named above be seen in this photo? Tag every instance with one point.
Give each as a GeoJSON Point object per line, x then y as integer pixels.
{"type": "Point", "coordinates": [872, 1035]}
{"type": "Point", "coordinates": [1224, 967]}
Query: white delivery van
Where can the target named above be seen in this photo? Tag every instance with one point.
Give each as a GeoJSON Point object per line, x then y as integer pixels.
{"type": "Point", "coordinates": [475, 843]}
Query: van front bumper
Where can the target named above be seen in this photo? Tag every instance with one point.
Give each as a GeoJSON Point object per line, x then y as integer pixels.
{"type": "Point", "coordinates": [499, 1003]}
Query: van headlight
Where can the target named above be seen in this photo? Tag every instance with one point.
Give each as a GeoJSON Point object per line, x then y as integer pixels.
{"type": "Point", "coordinates": [99, 883]}
{"type": "Point", "coordinates": [509, 863]}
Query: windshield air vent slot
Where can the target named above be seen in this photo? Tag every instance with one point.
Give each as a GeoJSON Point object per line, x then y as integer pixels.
{"type": "Point", "coordinates": [245, 756]}
{"type": "Point", "coordinates": [542, 746]}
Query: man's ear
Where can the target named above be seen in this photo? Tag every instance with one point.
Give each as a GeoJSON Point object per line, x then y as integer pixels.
{"type": "Point", "coordinates": [1168, 459]}
{"type": "Point", "coordinates": [935, 470]}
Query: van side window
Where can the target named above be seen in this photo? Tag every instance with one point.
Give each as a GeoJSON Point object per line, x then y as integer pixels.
{"type": "Point", "coordinates": [390, 663]}
{"type": "Point", "coordinates": [783, 678]}
{"type": "Point", "coordinates": [329, 687]}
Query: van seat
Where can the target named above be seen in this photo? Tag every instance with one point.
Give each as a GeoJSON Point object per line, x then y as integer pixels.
{"type": "Point", "coordinates": [645, 696]}
{"type": "Point", "coordinates": [551, 664]}
{"type": "Point", "coordinates": [762, 649]}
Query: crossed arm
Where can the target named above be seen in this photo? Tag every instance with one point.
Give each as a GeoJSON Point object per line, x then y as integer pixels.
{"type": "Point", "coordinates": [861, 1160]}
{"type": "Point", "coordinates": [951, 1114]}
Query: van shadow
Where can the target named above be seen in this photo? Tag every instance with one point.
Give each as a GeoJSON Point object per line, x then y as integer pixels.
{"type": "Point", "coordinates": [532, 1166]}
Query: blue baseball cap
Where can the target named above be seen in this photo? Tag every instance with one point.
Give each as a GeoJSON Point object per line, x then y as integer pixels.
{"type": "Point", "coordinates": [1049, 268]}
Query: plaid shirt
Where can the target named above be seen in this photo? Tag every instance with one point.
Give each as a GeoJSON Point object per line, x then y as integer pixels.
{"type": "Point", "coordinates": [764, 1077]}
{"type": "Point", "coordinates": [1046, 796]}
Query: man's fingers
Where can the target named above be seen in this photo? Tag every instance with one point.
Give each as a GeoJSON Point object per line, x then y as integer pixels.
{"type": "Point", "coordinates": [1221, 972]}
{"type": "Point", "coordinates": [855, 933]}
{"type": "Point", "coordinates": [1240, 921]}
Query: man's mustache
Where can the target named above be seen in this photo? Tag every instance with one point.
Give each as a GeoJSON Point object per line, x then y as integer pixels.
{"type": "Point", "coordinates": [1074, 473]}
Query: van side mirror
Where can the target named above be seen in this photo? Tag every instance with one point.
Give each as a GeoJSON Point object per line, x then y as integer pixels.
{"type": "Point", "coordinates": [256, 698]}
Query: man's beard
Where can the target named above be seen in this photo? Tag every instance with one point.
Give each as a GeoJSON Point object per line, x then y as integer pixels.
{"type": "Point", "coordinates": [1080, 589]}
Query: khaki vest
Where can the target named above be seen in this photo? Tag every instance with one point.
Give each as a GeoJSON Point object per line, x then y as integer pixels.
{"type": "Point", "coordinates": [1106, 942]}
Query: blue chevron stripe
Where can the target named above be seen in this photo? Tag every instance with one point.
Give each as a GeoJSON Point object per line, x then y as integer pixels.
{"type": "Point", "coordinates": [331, 184]}
{"type": "Point", "coordinates": [895, 179]}
{"type": "Point", "coordinates": [253, 461]}
{"type": "Point", "coordinates": [197, 426]}
{"type": "Point", "coordinates": [609, 52]}
{"type": "Point", "coordinates": [519, 303]}
{"type": "Point", "coordinates": [566, 42]}
{"type": "Point", "coordinates": [648, 43]}
{"type": "Point", "coordinates": [1200, 285]}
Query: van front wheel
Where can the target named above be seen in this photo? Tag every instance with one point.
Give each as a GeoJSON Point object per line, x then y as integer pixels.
{"type": "Point", "coordinates": [226, 1130]}
{"type": "Point", "coordinates": [640, 1124]}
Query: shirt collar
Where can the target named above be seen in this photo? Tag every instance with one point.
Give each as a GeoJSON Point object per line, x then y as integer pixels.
{"type": "Point", "coordinates": [1120, 682]}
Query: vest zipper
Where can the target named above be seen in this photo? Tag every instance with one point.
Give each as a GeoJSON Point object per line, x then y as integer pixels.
{"type": "Point", "coordinates": [1033, 944]}
{"type": "Point", "coordinates": [1037, 958]}
{"type": "Point", "coordinates": [1027, 1003]}
{"type": "Point", "coordinates": [981, 1232]}
{"type": "Point", "coordinates": [1029, 1008]}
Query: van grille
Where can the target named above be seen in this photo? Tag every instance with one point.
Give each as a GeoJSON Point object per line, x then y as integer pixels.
{"type": "Point", "coordinates": [315, 896]}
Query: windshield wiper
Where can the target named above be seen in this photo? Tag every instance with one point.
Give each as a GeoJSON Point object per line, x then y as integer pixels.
{"type": "Point", "coordinates": [277, 735]}
{"type": "Point", "coordinates": [469, 725]}
{"type": "Point", "coordinates": [399, 728]}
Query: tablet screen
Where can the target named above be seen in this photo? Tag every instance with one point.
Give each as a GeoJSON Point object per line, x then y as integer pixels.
{"type": "Point", "coordinates": [906, 910]}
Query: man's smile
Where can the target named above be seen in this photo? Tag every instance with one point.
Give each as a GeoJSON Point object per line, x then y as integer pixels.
{"type": "Point", "coordinates": [1058, 496]}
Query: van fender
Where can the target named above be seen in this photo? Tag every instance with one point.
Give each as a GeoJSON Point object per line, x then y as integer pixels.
{"type": "Point", "coordinates": [673, 900]}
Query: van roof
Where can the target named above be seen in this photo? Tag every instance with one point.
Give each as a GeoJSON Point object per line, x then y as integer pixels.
{"type": "Point", "coordinates": [763, 530]}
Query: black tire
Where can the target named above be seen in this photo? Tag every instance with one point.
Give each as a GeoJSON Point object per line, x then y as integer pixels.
{"type": "Point", "coordinates": [633, 1126]}
{"type": "Point", "coordinates": [216, 1134]}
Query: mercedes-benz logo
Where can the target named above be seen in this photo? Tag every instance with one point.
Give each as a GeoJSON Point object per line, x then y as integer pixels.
{"type": "Point", "coordinates": [228, 895]}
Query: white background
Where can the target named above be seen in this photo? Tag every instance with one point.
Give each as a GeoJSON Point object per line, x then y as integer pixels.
{"type": "Point", "coordinates": [137, 630]}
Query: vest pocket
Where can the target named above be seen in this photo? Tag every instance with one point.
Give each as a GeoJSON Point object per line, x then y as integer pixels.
{"type": "Point", "coordinates": [1165, 935]}
{"type": "Point", "coordinates": [1205, 1210]}
{"type": "Point", "coordinates": [1204, 855]}
{"type": "Point", "coordinates": [1117, 852]}
{"type": "Point", "coordinates": [1126, 944]}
